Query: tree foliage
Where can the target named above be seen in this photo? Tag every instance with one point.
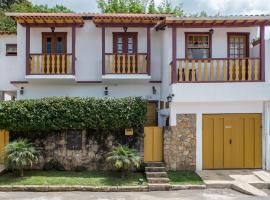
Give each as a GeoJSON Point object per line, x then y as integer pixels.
{"type": "Point", "coordinates": [58, 113]}
{"type": "Point", "coordinates": [139, 6]}
{"type": "Point", "coordinates": [19, 155]}
{"type": "Point", "coordinates": [9, 25]}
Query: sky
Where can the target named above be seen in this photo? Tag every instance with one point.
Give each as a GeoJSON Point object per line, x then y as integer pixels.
{"type": "Point", "coordinates": [212, 7]}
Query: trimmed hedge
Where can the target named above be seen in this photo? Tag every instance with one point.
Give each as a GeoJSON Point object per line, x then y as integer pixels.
{"type": "Point", "coordinates": [58, 113]}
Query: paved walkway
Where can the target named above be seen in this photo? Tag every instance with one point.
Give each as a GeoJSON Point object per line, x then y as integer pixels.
{"type": "Point", "coordinates": [209, 194]}
{"type": "Point", "coordinates": [246, 181]}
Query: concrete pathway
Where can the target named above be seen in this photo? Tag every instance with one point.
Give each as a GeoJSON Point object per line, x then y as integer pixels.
{"type": "Point", "coordinates": [209, 194]}
{"type": "Point", "coordinates": [246, 181]}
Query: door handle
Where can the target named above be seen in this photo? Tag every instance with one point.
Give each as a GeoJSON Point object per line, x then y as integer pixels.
{"type": "Point", "coordinates": [230, 141]}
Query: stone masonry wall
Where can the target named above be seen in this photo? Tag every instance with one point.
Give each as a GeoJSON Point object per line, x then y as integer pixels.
{"type": "Point", "coordinates": [91, 156]}
{"type": "Point", "coordinates": [180, 144]}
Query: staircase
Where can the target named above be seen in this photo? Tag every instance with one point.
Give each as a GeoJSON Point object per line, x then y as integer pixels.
{"type": "Point", "coordinates": [157, 176]}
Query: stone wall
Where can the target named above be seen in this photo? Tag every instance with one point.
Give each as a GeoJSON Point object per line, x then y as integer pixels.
{"type": "Point", "coordinates": [180, 143]}
{"type": "Point", "coordinates": [91, 155]}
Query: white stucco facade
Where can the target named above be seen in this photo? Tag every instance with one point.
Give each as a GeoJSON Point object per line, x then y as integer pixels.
{"type": "Point", "coordinates": [195, 98]}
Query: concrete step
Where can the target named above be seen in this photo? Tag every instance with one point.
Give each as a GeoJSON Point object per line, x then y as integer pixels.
{"type": "Point", "coordinates": [155, 169]}
{"type": "Point", "coordinates": [263, 175]}
{"type": "Point", "coordinates": [158, 180]}
{"type": "Point", "coordinates": [155, 164]}
{"type": "Point", "coordinates": [248, 189]}
{"type": "Point", "coordinates": [159, 187]}
{"type": "Point", "coordinates": [156, 174]}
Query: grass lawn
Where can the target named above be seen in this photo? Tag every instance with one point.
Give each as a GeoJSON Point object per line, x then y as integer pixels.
{"type": "Point", "coordinates": [184, 177]}
{"type": "Point", "coordinates": [94, 178]}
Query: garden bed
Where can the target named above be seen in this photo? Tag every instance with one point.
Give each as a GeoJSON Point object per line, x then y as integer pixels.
{"type": "Point", "coordinates": [93, 178]}
{"type": "Point", "coordinates": [184, 178]}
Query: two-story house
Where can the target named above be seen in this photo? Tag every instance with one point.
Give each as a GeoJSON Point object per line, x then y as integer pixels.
{"type": "Point", "coordinates": [204, 77]}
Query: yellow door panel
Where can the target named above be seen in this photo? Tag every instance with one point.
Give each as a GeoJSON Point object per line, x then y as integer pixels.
{"type": "Point", "coordinates": [153, 144]}
{"type": "Point", "coordinates": [4, 140]}
{"type": "Point", "coordinates": [232, 141]}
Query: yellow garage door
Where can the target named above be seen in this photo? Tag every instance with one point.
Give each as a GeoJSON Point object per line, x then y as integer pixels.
{"type": "Point", "coordinates": [232, 141]}
{"type": "Point", "coordinates": [4, 139]}
{"type": "Point", "coordinates": [153, 144]}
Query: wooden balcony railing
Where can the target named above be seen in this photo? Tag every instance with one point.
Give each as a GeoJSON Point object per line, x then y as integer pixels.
{"type": "Point", "coordinates": [126, 63]}
{"type": "Point", "coordinates": [218, 70]}
{"type": "Point", "coordinates": [50, 64]}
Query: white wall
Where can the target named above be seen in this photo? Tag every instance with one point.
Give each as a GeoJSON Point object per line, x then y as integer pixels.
{"type": "Point", "coordinates": [8, 64]}
{"type": "Point", "coordinates": [199, 109]}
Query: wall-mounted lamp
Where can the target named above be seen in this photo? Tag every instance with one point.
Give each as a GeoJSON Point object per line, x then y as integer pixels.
{"type": "Point", "coordinates": [106, 91]}
{"type": "Point", "coordinates": [125, 29]}
{"type": "Point", "coordinates": [170, 97]}
{"type": "Point", "coordinates": [21, 90]}
{"type": "Point", "coordinates": [211, 31]}
{"type": "Point", "coordinates": [53, 29]}
{"type": "Point", "coordinates": [154, 90]}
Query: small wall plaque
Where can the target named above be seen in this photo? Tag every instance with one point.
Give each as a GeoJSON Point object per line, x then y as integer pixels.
{"type": "Point", "coordinates": [74, 140]}
{"type": "Point", "coordinates": [129, 131]}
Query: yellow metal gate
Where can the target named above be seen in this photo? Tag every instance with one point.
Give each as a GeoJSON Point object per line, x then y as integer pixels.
{"type": "Point", "coordinates": [153, 144]}
{"type": "Point", "coordinates": [232, 141]}
{"type": "Point", "coordinates": [4, 139]}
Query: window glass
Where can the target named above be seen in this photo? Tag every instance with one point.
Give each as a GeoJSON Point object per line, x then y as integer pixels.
{"type": "Point", "coordinates": [130, 45]}
{"type": "Point", "coordinates": [49, 45]}
{"type": "Point", "coordinates": [237, 46]}
{"type": "Point", "coordinates": [198, 46]}
{"type": "Point", "coordinates": [59, 45]}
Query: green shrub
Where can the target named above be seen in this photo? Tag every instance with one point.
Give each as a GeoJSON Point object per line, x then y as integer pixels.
{"type": "Point", "coordinates": [20, 155]}
{"type": "Point", "coordinates": [123, 159]}
{"type": "Point", "coordinates": [53, 164]}
{"type": "Point", "coordinates": [57, 113]}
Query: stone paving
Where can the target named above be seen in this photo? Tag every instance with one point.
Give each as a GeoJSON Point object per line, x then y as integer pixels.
{"type": "Point", "coordinates": [246, 181]}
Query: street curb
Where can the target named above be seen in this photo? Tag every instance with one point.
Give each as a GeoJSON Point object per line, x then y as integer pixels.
{"type": "Point", "coordinates": [188, 187]}
{"type": "Point", "coordinates": [80, 188]}
{"type": "Point", "coordinates": [46, 188]}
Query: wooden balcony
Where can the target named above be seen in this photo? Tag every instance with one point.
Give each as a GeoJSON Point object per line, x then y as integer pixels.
{"type": "Point", "coordinates": [50, 64]}
{"type": "Point", "coordinates": [126, 63]}
{"type": "Point", "coordinates": [218, 70]}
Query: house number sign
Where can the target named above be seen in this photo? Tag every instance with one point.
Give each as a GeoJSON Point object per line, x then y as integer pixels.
{"type": "Point", "coordinates": [129, 131]}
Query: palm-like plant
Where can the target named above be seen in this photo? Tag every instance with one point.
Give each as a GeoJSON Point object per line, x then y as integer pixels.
{"type": "Point", "coordinates": [123, 159]}
{"type": "Point", "coordinates": [19, 155]}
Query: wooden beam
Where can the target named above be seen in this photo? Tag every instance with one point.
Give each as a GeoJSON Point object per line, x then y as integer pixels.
{"type": "Point", "coordinates": [73, 49]}
{"type": "Point", "coordinates": [148, 51]}
{"type": "Point", "coordinates": [262, 51]}
{"type": "Point", "coordinates": [125, 24]}
{"type": "Point", "coordinates": [103, 50]}
{"type": "Point", "coordinates": [174, 52]}
{"type": "Point", "coordinates": [27, 50]}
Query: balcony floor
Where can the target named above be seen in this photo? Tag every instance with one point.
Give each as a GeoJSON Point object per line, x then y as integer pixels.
{"type": "Point", "coordinates": [126, 78]}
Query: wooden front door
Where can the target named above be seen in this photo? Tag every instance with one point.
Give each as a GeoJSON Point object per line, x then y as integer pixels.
{"type": "Point", "coordinates": [4, 140]}
{"type": "Point", "coordinates": [54, 43]}
{"type": "Point", "coordinates": [151, 115]}
{"type": "Point", "coordinates": [153, 144]}
{"type": "Point", "coordinates": [232, 141]}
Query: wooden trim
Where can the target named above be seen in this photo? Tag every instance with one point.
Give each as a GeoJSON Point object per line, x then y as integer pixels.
{"type": "Point", "coordinates": [27, 50]}
{"type": "Point", "coordinates": [125, 25]}
{"type": "Point", "coordinates": [262, 52]}
{"type": "Point", "coordinates": [103, 50]}
{"type": "Point", "coordinates": [198, 33]}
{"type": "Point", "coordinates": [212, 25]}
{"type": "Point", "coordinates": [148, 51]}
{"type": "Point", "coordinates": [73, 49]}
{"type": "Point", "coordinates": [85, 82]}
{"type": "Point", "coordinates": [18, 82]}
{"type": "Point", "coordinates": [45, 25]}
{"type": "Point", "coordinates": [174, 52]}
{"type": "Point", "coordinates": [53, 36]}
{"type": "Point", "coordinates": [125, 35]}
{"type": "Point", "coordinates": [155, 81]}
{"type": "Point", "coordinates": [246, 34]}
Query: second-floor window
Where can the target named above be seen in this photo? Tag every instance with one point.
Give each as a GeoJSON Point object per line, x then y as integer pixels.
{"type": "Point", "coordinates": [54, 43]}
{"type": "Point", "coordinates": [198, 45]}
{"type": "Point", "coordinates": [238, 45]}
{"type": "Point", "coordinates": [125, 43]}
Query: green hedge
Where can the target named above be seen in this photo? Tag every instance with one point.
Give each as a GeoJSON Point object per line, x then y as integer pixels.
{"type": "Point", "coordinates": [59, 113]}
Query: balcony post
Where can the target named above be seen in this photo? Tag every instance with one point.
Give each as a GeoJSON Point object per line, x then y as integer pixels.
{"type": "Point", "coordinates": [103, 50]}
{"type": "Point", "coordinates": [174, 49]}
{"type": "Point", "coordinates": [262, 52]}
{"type": "Point", "coordinates": [73, 49]}
{"type": "Point", "coordinates": [148, 51]}
{"type": "Point", "coordinates": [27, 50]}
